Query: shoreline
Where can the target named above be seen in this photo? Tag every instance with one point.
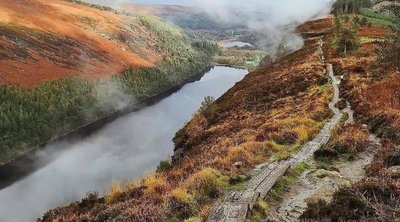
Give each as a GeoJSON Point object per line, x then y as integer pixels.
{"type": "Point", "coordinates": [26, 164]}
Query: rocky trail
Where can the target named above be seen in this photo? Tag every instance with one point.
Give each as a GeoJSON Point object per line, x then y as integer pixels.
{"type": "Point", "coordinates": [319, 183]}
{"type": "Point", "coordinates": [238, 205]}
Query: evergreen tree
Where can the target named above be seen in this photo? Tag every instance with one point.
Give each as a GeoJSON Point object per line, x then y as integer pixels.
{"type": "Point", "coordinates": [347, 37]}
{"type": "Point", "coordinates": [350, 6]}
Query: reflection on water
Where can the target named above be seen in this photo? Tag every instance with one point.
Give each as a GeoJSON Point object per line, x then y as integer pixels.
{"type": "Point", "coordinates": [124, 149]}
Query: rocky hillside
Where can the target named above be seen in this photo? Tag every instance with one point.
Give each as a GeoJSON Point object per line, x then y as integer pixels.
{"type": "Point", "coordinates": [43, 40]}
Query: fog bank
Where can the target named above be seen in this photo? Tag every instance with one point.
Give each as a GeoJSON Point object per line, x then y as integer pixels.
{"type": "Point", "coordinates": [273, 20]}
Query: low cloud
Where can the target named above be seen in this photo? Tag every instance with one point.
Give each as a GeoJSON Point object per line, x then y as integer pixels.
{"type": "Point", "coordinates": [275, 20]}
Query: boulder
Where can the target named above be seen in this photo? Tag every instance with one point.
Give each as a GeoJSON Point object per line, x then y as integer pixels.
{"type": "Point", "coordinates": [238, 164]}
{"type": "Point", "coordinates": [321, 173]}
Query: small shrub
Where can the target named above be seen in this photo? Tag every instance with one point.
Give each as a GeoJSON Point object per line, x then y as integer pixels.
{"type": "Point", "coordinates": [205, 185]}
{"type": "Point", "coordinates": [88, 202]}
{"type": "Point", "coordinates": [163, 166]}
{"type": "Point", "coordinates": [180, 204]}
{"type": "Point", "coordinates": [394, 158]}
{"type": "Point", "coordinates": [207, 102]}
{"type": "Point", "coordinates": [346, 206]}
{"type": "Point", "coordinates": [347, 140]}
{"type": "Point", "coordinates": [285, 137]}
{"type": "Point", "coordinates": [374, 199]}
{"type": "Point", "coordinates": [356, 20]}
{"type": "Point", "coordinates": [364, 21]}
{"type": "Point", "coordinates": [238, 179]}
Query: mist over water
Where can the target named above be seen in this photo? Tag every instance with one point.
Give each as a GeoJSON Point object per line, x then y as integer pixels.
{"type": "Point", "coordinates": [273, 20]}
{"type": "Point", "coordinates": [125, 149]}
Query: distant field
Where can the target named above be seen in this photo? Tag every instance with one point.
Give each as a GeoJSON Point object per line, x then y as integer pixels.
{"type": "Point", "coordinates": [377, 18]}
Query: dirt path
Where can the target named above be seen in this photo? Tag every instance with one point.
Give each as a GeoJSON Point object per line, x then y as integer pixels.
{"type": "Point", "coordinates": [320, 183]}
{"type": "Point", "coordinates": [237, 206]}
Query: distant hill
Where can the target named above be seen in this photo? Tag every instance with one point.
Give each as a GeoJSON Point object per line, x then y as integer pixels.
{"type": "Point", "coordinates": [45, 40]}
{"type": "Point", "coordinates": [187, 17]}
{"type": "Point", "coordinates": [160, 10]}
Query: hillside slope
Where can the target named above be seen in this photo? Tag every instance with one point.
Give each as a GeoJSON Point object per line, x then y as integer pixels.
{"type": "Point", "coordinates": [44, 40]}
{"type": "Point", "coordinates": [160, 10]}
{"type": "Point", "coordinates": [65, 64]}
{"type": "Point", "coordinates": [371, 87]}
{"type": "Point", "coordinates": [269, 114]}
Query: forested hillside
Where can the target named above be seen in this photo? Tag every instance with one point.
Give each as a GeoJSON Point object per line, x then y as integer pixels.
{"type": "Point", "coordinates": [45, 92]}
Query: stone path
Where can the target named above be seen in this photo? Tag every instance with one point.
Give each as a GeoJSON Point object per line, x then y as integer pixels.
{"type": "Point", "coordinates": [350, 114]}
{"type": "Point", "coordinates": [237, 206]}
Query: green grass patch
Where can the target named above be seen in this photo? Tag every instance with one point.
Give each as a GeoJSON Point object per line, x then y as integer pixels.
{"type": "Point", "coordinates": [377, 18]}
{"type": "Point", "coordinates": [237, 183]}
{"type": "Point", "coordinates": [260, 211]}
{"type": "Point", "coordinates": [283, 184]}
{"type": "Point", "coordinates": [369, 12]}
{"type": "Point", "coordinates": [262, 207]}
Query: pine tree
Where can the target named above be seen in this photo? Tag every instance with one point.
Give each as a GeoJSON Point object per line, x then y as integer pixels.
{"type": "Point", "coordinates": [347, 37]}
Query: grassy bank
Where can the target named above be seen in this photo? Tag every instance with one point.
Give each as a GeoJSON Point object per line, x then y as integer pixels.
{"type": "Point", "coordinates": [249, 58]}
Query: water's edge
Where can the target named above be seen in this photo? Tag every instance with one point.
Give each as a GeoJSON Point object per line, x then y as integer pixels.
{"type": "Point", "coordinates": [27, 163]}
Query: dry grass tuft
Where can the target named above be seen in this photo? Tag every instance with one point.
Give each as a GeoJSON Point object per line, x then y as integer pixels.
{"type": "Point", "coordinates": [114, 192]}
{"type": "Point", "coordinates": [349, 139]}
{"type": "Point", "coordinates": [180, 204]}
{"type": "Point", "coordinates": [156, 185]}
{"type": "Point", "coordinates": [205, 185]}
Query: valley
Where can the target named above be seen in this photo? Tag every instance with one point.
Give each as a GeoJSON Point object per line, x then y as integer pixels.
{"type": "Point", "coordinates": [208, 111]}
{"type": "Point", "coordinates": [76, 82]}
{"type": "Point", "coordinates": [125, 148]}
